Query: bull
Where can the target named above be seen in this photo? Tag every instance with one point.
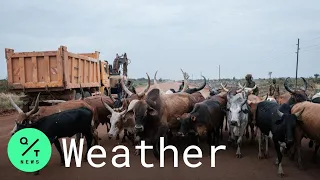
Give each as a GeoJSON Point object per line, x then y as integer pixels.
{"type": "Point", "coordinates": [157, 115]}
{"type": "Point", "coordinates": [238, 118]}
{"type": "Point", "coordinates": [206, 119]}
{"type": "Point", "coordinates": [277, 121]}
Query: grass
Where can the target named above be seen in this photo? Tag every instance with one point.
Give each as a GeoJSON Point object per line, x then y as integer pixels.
{"type": "Point", "coordinates": [5, 102]}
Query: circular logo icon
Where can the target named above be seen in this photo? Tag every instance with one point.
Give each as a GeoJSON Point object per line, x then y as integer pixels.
{"type": "Point", "coordinates": [29, 150]}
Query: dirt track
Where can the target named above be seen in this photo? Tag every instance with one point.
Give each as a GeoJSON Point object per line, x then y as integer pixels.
{"type": "Point", "coordinates": [227, 165]}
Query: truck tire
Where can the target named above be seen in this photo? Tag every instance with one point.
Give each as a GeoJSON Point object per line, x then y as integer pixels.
{"type": "Point", "coordinates": [77, 96]}
{"type": "Point", "coordinates": [86, 94]}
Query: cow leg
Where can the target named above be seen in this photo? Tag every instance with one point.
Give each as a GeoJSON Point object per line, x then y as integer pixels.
{"type": "Point", "coordinates": [247, 131]}
{"type": "Point", "coordinates": [252, 132]}
{"type": "Point", "coordinates": [315, 153]}
{"type": "Point", "coordinates": [279, 157]}
{"type": "Point", "coordinates": [221, 131]}
{"type": "Point", "coordinates": [125, 134]}
{"type": "Point", "coordinates": [226, 125]}
{"type": "Point", "coordinates": [162, 132]}
{"type": "Point", "coordinates": [89, 138]}
{"type": "Point", "coordinates": [210, 140]}
{"type": "Point", "coordinates": [298, 138]}
{"type": "Point", "coordinates": [266, 152]}
{"type": "Point", "coordinates": [239, 141]}
{"type": "Point", "coordinates": [259, 142]}
{"type": "Point", "coordinates": [58, 147]}
{"type": "Point", "coordinates": [78, 136]}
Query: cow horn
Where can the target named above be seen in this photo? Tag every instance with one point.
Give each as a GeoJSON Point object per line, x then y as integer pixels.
{"type": "Point", "coordinates": [125, 88]}
{"type": "Point", "coordinates": [108, 107]}
{"type": "Point", "coordinates": [305, 83]}
{"type": "Point", "coordinates": [203, 85]}
{"type": "Point", "coordinates": [279, 113]}
{"type": "Point", "coordinates": [185, 86]}
{"type": "Point", "coordinates": [146, 89]}
{"type": "Point", "coordinates": [110, 95]}
{"type": "Point", "coordinates": [35, 108]}
{"type": "Point", "coordinates": [224, 88]}
{"type": "Point", "coordinates": [156, 83]}
{"type": "Point", "coordinates": [240, 86]}
{"type": "Point", "coordinates": [286, 86]}
{"type": "Point", "coordinates": [297, 114]}
{"type": "Point", "coordinates": [15, 105]}
{"type": "Point", "coordinates": [267, 96]}
{"type": "Point", "coordinates": [123, 112]}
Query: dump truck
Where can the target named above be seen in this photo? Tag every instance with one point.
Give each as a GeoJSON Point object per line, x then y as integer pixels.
{"type": "Point", "coordinates": [60, 75]}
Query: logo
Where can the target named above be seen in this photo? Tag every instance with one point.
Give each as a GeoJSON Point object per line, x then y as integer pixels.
{"type": "Point", "coordinates": [29, 150]}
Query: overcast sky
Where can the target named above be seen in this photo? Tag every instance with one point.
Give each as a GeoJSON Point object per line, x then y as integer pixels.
{"type": "Point", "coordinates": [247, 36]}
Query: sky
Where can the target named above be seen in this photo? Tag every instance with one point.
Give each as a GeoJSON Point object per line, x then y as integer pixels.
{"type": "Point", "coordinates": [247, 36]}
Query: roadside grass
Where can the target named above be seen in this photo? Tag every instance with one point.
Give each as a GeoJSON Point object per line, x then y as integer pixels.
{"type": "Point", "coordinates": [5, 105]}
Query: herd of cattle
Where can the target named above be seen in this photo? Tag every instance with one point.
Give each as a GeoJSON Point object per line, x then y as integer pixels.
{"type": "Point", "coordinates": [187, 115]}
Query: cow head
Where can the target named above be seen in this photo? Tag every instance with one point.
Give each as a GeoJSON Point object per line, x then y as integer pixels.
{"type": "Point", "coordinates": [23, 119]}
{"type": "Point", "coordinates": [236, 108]}
{"type": "Point", "coordinates": [193, 121]}
{"type": "Point", "coordinates": [115, 120]}
{"type": "Point", "coordinates": [287, 121]}
{"type": "Point", "coordinates": [138, 95]}
{"type": "Point", "coordinates": [297, 95]}
{"type": "Point", "coordinates": [144, 110]}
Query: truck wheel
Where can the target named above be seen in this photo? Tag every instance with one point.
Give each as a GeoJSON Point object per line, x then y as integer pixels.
{"type": "Point", "coordinates": [77, 96]}
{"type": "Point", "coordinates": [86, 94]}
{"type": "Point", "coordinates": [105, 92]}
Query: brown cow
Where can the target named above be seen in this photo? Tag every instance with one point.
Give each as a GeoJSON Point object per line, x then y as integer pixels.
{"type": "Point", "coordinates": [309, 126]}
{"type": "Point", "coordinates": [158, 113]}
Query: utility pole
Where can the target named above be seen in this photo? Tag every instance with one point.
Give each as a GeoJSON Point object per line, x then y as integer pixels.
{"type": "Point", "coordinates": [219, 72]}
{"type": "Point", "coordinates": [298, 48]}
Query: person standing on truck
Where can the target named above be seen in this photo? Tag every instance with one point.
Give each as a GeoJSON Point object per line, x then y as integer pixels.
{"type": "Point", "coordinates": [116, 64]}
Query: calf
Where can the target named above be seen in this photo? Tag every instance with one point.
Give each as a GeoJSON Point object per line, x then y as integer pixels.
{"type": "Point", "coordinates": [277, 119]}
{"type": "Point", "coordinates": [63, 124]}
{"type": "Point", "coordinates": [238, 115]}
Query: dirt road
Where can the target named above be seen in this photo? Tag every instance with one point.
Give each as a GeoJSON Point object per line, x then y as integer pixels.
{"type": "Point", "coordinates": [227, 165]}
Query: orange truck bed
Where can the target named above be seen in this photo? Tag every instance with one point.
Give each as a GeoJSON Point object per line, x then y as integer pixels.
{"type": "Point", "coordinates": [52, 70]}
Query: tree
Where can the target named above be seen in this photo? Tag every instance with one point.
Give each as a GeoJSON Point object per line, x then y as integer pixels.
{"type": "Point", "coordinates": [270, 73]}
{"type": "Point", "coordinates": [316, 76]}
